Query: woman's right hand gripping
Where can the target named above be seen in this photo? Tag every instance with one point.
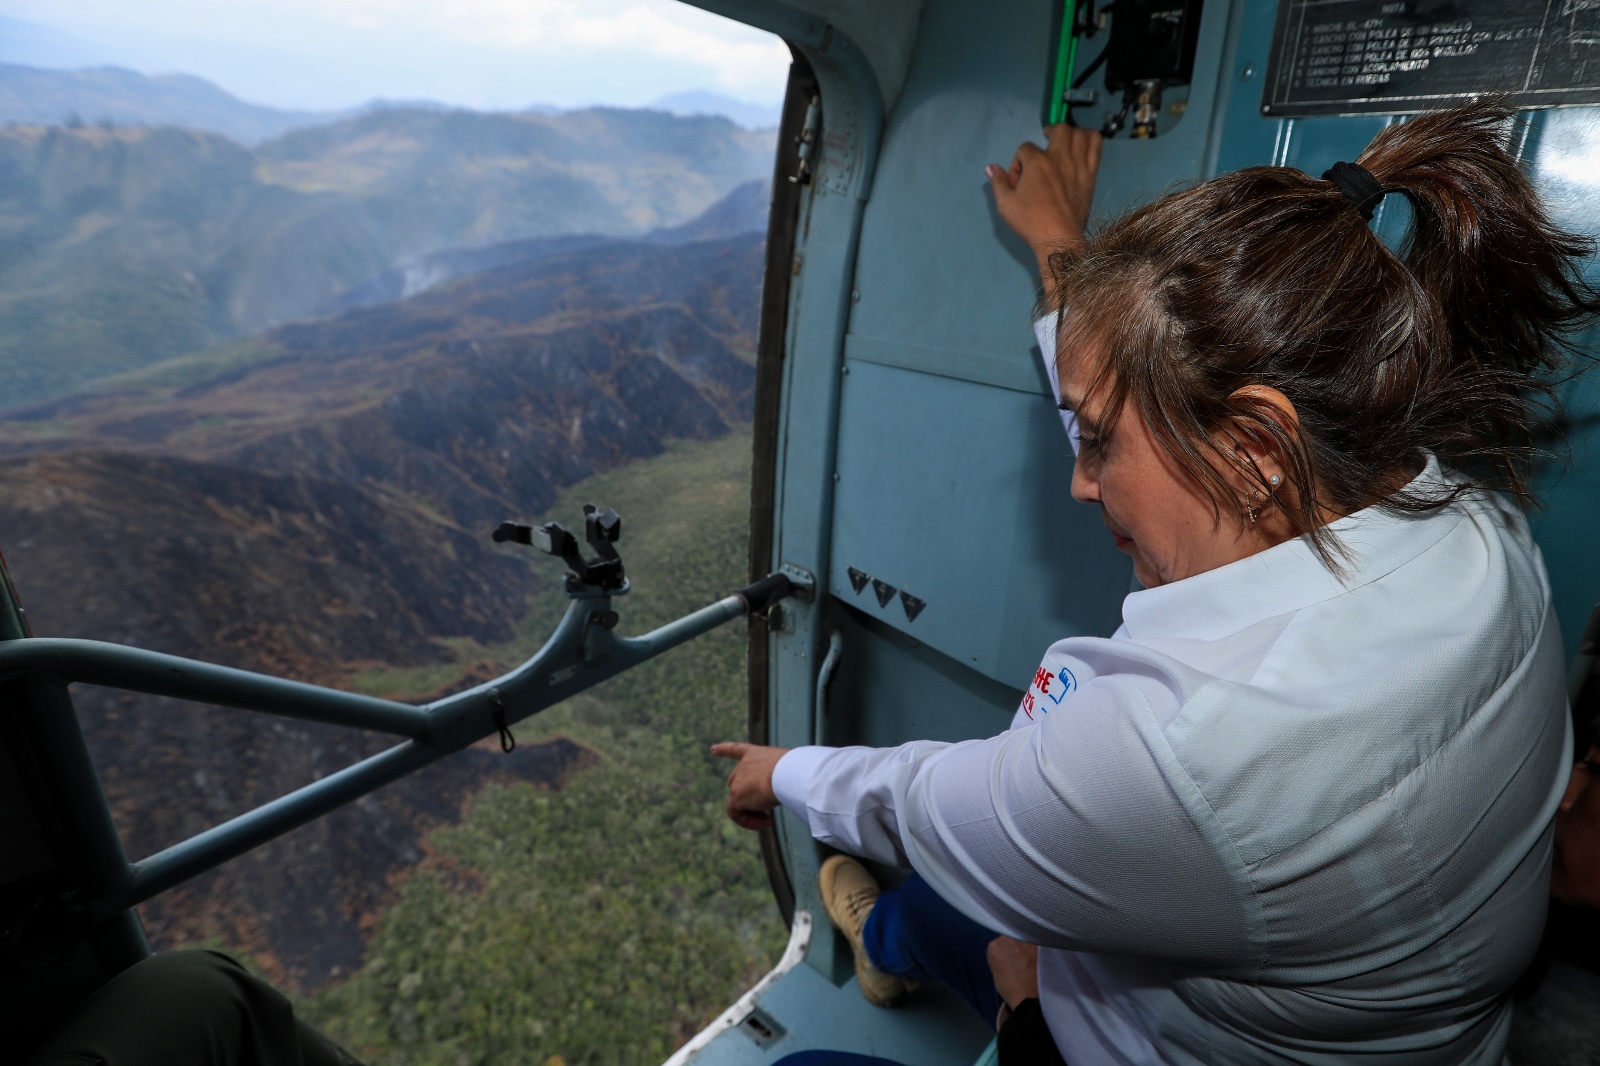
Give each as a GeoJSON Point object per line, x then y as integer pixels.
{"type": "Point", "coordinates": [1044, 195]}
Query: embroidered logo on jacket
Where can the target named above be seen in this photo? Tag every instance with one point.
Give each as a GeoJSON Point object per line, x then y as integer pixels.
{"type": "Point", "coordinates": [1051, 687]}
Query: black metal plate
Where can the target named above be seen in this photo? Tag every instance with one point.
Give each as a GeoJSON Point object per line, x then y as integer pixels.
{"type": "Point", "coordinates": [1342, 57]}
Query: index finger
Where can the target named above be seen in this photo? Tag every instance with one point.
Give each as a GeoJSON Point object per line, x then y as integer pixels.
{"type": "Point", "coordinates": [1094, 145]}
{"type": "Point", "coordinates": [731, 749]}
{"type": "Point", "coordinates": [1064, 134]}
{"type": "Point", "coordinates": [1075, 140]}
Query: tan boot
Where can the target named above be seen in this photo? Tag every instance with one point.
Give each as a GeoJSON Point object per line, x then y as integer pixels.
{"type": "Point", "coordinates": [848, 894]}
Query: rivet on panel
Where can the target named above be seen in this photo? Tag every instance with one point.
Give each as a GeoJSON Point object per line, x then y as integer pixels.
{"type": "Point", "coordinates": [1247, 72]}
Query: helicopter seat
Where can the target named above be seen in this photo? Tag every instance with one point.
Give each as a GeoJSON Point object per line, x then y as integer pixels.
{"type": "Point", "coordinates": [188, 1007]}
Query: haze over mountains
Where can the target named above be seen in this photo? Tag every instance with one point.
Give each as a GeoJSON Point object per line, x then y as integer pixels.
{"type": "Point", "coordinates": [96, 95]}
{"type": "Point", "coordinates": [124, 246]}
{"type": "Point", "coordinates": [37, 97]}
{"type": "Point", "coordinates": [744, 210]}
{"type": "Point", "coordinates": [704, 102]}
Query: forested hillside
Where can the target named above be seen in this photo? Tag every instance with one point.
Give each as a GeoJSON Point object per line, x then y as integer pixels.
{"type": "Point", "coordinates": [605, 922]}
{"type": "Point", "coordinates": [122, 246]}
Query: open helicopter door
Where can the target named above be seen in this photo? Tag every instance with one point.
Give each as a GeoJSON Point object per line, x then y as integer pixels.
{"type": "Point", "coordinates": [907, 451]}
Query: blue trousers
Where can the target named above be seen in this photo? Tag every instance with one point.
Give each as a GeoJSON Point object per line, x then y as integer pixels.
{"type": "Point", "coordinates": [912, 932]}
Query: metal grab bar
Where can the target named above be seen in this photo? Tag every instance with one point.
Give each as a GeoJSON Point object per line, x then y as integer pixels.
{"type": "Point", "coordinates": [581, 653]}
{"type": "Point", "coordinates": [94, 662]}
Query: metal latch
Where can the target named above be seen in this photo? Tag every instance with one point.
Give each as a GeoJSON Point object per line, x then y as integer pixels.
{"type": "Point", "coordinates": [806, 141]}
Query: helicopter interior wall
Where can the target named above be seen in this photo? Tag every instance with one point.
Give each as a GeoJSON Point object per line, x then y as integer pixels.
{"type": "Point", "coordinates": [1562, 151]}
{"type": "Point", "coordinates": [954, 473]}
{"type": "Point", "coordinates": [912, 690]}
{"type": "Point", "coordinates": [957, 494]}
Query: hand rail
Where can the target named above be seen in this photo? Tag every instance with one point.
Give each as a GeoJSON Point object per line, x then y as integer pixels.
{"type": "Point", "coordinates": [95, 662]}
{"type": "Point", "coordinates": [581, 653]}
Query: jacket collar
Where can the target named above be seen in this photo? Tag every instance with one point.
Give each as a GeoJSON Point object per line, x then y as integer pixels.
{"type": "Point", "coordinates": [1290, 576]}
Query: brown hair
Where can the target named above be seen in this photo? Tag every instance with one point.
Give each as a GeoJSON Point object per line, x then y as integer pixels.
{"type": "Point", "coordinates": [1267, 276]}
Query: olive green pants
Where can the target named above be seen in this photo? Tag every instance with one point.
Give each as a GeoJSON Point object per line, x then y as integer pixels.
{"type": "Point", "coordinates": [188, 1008]}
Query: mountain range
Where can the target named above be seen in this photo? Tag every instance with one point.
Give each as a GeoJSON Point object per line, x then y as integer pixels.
{"type": "Point", "coordinates": [34, 96]}
{"type": "Point", "coordinates": [123, 246]}
{"type": "Point", "coordinates": [744, 210]}
{"type": "Point", "coordinates": [42, 95]}
{"type": "Point", "coordinates": [704, 102]}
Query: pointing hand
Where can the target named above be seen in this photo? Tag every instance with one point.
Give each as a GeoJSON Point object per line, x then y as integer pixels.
{"type": "Point", "coordinates": [750, 796]}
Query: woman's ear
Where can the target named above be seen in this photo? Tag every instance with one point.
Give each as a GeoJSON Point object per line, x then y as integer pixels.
{"type": "Point", "coordinates": [1259, 450]}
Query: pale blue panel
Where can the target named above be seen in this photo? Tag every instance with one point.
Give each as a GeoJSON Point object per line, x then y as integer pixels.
{"type": "Point", "coordinates": [891, 688]}
{"type": "Point", "coordinates": [960, 494]}
{"type": "Point", "coordinates": [937, 268]}
{"type": "Point", "coordinates": [955, 480]}
{"type": "Point", "coordinates": [932, 1028]}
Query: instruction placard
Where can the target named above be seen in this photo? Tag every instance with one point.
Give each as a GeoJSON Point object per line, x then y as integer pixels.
{"type": "Point", "coordinates": [1332, 57]}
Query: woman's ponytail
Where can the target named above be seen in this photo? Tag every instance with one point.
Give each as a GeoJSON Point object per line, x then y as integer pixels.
{"type": "Point", "coordinates": [1506, 280]}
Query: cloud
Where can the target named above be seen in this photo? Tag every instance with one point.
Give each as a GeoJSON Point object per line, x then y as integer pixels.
{"type": "Point", "coordinates": [741, 58]}
{"type": "Point", "coordinates": [684, 47]}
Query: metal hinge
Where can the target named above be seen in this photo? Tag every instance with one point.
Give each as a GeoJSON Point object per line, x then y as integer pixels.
{"type": "Point", "coordinates": [805, 582]}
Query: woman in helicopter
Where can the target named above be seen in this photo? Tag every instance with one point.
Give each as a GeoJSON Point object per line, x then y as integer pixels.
{"type": "Point", "coordinates": [1298, 807]}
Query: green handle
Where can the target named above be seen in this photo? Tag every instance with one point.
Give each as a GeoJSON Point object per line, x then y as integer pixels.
{"type": "Point", "coordinates": [1061, 69]}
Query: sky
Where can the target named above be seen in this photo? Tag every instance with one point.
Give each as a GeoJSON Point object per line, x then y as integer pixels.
{"type": "Point", "coordinates": [334, 54]}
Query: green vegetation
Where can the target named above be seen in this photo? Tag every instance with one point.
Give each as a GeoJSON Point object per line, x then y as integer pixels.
{"type": "Point", "coordinates": [607, 921]}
